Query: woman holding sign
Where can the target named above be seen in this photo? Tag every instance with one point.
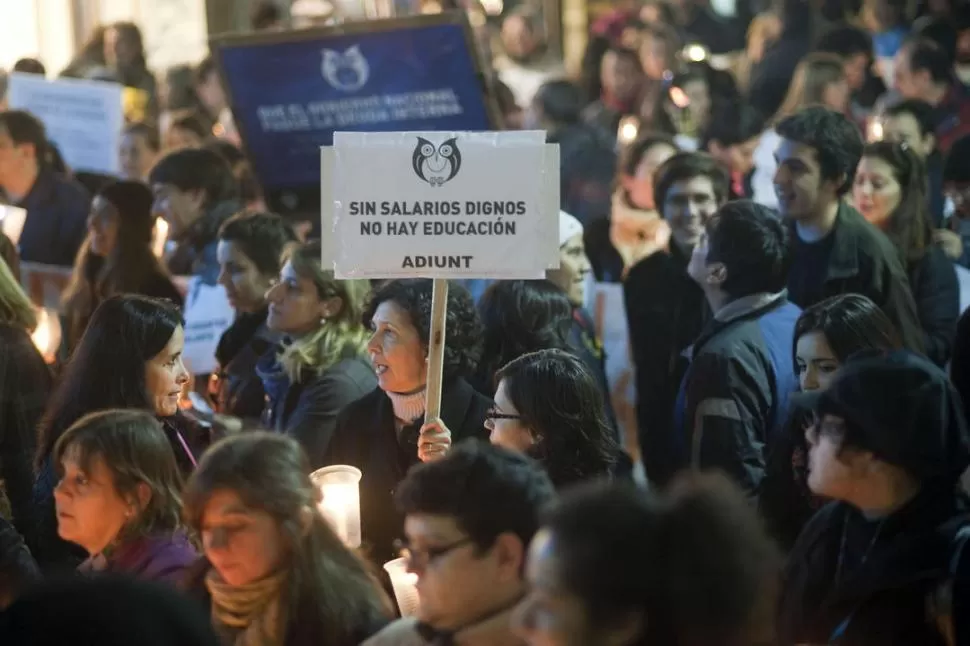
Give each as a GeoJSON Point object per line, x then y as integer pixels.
{"type": "Point", "coordinates": [321, 368]}
{"type": "Point", "coordinates": [383, 434]}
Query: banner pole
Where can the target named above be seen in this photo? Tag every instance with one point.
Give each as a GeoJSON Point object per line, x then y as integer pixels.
{"type": "Point", "coordinates": [436, 349]}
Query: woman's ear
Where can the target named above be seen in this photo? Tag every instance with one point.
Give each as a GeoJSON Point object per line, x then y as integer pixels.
{"type": "Point", "coordinates": [331, 307]}
{"type": "Point", "coordinates": [143, 496]}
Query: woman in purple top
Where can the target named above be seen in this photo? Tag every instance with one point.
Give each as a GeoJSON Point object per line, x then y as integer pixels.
{"type": "Point", "coordinates": [118, 496]}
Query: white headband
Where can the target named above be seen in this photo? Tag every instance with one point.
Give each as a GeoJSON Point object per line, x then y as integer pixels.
{"type": "Point", "coordinates": [568, 227]}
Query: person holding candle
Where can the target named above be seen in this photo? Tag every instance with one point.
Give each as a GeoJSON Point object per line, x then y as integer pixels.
{"type": "Point", "coordinates": [274, 573]}
{"type": "Point", "coordinates": [469, 518]}
{"type": "Point", "coordinates": [250, 254]}
{"type": "Point", "coordinates": [116, 257]}
{"type": "Point", "coordinates": [130, 357]}
{"type": "Point", "coordinates": [548, 406]}
{"type": "Point", "coordinates": [321, 367]}
{"type": "Point", "coordinates": [118, 496]}
{"type": "Point", "coordinates": [25, 386]}
{"type": "Point", "coordinates": [382, 434]}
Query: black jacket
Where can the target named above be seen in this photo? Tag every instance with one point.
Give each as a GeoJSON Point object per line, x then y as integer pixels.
{"type": "Point", "coordinates": [57, 220]}
{"type": "Point", "coordinates": [25, 386]}
{"type": "Point", "coordinates": [366, 438]}
{"type": "Point", "coordinates": [886, 578]}
{"type": "Point", "coordinates": [17, 568]}
{"type": "Point", "coordinates": [307, 410]}
{"type": "Point", "coordinates": [863, 261]}
{"type": "Point", "coordinates": [666, 311]}
{"type": "Point", "coordinates": [936, 291]}
{"type": "Point", "coordinates": [236, 389]}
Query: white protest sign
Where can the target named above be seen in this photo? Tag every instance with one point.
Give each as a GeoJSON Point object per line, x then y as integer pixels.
{"type": "Point", "coordinates": [208, 314]}
{"type": "Point", "coordinates": [441, 205]}
{"type": "Point", "coordinates": [83, 118]}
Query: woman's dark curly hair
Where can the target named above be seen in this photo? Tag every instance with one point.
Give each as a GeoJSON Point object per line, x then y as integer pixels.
{"type": "Point", "coordinates": [561, 403]}
{"type": "Point", "coordinates": [521, 316]}
{"type": "Point", "coordinates": [463, 336]}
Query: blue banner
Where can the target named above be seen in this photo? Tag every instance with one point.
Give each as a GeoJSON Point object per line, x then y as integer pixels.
{"type": "Point", "coordinates": [290, 96]}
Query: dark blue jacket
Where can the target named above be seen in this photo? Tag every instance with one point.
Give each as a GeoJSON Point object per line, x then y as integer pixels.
{"type": "Point", "coordinates": [734, 398]}
{"type": "Point", "coordinates": [57, 217]}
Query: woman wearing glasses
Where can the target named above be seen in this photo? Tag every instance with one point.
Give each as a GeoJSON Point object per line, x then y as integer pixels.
{"type": "Point", "coordinates": [274, 572]}
{"type": "Point", "coordinates": [549, 407]}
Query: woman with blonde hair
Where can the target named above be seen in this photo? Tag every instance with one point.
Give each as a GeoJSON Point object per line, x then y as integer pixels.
{"type": "Point", "coordinates": [274, 573]}
{"type": "Point", "coordinates": [819, 79]}
{"type": "Point", "coordinates": [25, 385]}
{"type": "Point", "coordinates": [322, 365]}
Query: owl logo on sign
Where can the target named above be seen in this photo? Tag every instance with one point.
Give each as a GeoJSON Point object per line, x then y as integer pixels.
{"type": "Point", "coordinates": [347, 71]}
{"type": "Point", "coordinates": [436, 164]}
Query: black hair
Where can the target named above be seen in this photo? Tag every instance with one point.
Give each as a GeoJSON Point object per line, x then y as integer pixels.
{"type": "Point", "coordinates": [562, 404]}
{"type": "Point", "coordinates": [921, 111]}
{"type": "Point", "coordinates": [108, 610]}
{"type": "Point", "coordinates": [849, 323]}
{"type": "Point", "coordinates": [634, 153]}
{"type": "Point", "coordinates": [836, 140]}
{"type": "Point", "coordinates": [132, 32]}
{"type": "Point", "coordinates": [521, 316]}
{"type": "Point", "coordinates": [261, 237]}
{"type": "Point", "coordinates": [30, 66]}
{"type": "Point", "coordinates": [625, 54]}
{"type": "Point", "coordinates": [463, 334]}
{"type": "Point", "coordinates": [488, 490]}
{"type": "Point", "coordinates": [249, 188]}
{"type": "Point", "coordinates": [686, 166]}
{"type": "Point", "coordinates": [910, 226]}
{"type": "Point", "coordinates": [939, 31]}
{"type": "Point", "coordinates": [955, 168]}
{"type": "Point", "coordinates": [24, 128]}
{"type": "Point", "coordinates": [193, 122]}
{"type": "Point", "coordinates": [147, 132]}
{"type": "Point", "coordinates": [754, 245]}
{"type": "Point", "coordinates": [732, 124]}
{"type": "Point", "coordinates": [694, 564]}
{"type": "Point", "coordinates": [846, 41]}
{"type": "Point", "coordinates": [107, 370]}
{"type": "Point", "coordinates": [192, 169]}
{"type": "Point", "coordinates": [561, 102]}
{"type": "Point", "coordinates": [182, 95]}
{"type": "Point", "coordinates": [204, 70]}
{"type": "Point", "coordinates": [264, 15]}
{"type": "Point", "coordinates": [924, 54]}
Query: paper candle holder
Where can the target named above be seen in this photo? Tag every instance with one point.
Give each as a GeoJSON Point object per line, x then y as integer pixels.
{"type": "Point", "coordinates": [405, 587]}
{"type": "Point", "coordinates": [339, 487]}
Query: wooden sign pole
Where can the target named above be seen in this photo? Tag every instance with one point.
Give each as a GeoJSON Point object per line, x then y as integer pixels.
{"type": "Point", "coordinates": [436, 349]}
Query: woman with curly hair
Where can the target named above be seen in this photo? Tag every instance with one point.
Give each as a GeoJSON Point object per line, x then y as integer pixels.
{"type": "Point", "coordinates": [549, 406]}
{"type": "Point", "coordinates": [382, 433]}
{"type": "Point", "coordinates": [321, 366]}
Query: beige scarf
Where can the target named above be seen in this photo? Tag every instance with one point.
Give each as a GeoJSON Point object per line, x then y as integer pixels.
{"type": "Point", "coordinates": [248, 615]}
{"type": "Point", "coordinates": [630, 228]}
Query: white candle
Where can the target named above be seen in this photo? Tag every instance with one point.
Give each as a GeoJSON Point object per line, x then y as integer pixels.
{"type": "Point", "coordinates": [47, 334]}
{"type": "Point", "coordinates": [405, 586]}
{"type": "Point", "coordinates": [160, 237]}
{"type": "Point", "coordinates": [340, 500]}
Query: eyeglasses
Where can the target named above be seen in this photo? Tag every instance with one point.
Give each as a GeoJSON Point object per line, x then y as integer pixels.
{"type": "Point", "coordinates": [424, 558]}
{"type": "Point", "coordinates": [494, 414]}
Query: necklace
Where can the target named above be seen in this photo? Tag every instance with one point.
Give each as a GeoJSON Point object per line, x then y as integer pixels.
{"type": "Point", "coordinates": [865, 555]}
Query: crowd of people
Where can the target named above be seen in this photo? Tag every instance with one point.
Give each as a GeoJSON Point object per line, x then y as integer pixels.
{"type": "Point", "coordinates": [783, 198]}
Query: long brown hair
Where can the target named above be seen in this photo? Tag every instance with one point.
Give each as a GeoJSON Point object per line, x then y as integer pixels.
{"type": "Point", "coordinates": [330, 590]}
{"type": "Point", "coordinates": [814, 74]}
{"type": "Point", "coordinates": [127, 269]}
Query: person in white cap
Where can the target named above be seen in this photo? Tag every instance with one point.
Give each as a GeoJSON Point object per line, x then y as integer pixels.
{"type": "Point", "coordinates": [571, 278]}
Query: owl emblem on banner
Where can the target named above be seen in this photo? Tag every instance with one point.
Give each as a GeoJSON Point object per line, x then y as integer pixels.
{"type": "Point", "coordinates": [436, 165]}
{"type": "Point", "coordinates": [347, 71]}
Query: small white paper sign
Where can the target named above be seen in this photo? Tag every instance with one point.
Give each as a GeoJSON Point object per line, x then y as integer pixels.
{"type": "Point", "coordinates": [83, 118]}
{"type": "Point", "coordinates": [12, 219]}
{"type": "Point", "coordinates": [440, 205]}
{"type": "Point", "coordinates": [208, 314]}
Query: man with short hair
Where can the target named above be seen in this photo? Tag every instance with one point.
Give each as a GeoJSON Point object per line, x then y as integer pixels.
{"type": "Point", "coordinates": [923, 70]}
{"type": "Point", "coordinates": [733, 400]}
{"type": "Point", "coordinates": [469, 518]}
{"type": "Point", "coordinates": [195, 192]}
{"type": "Point", "coordinates": [835, 250]}
{"type": "Point", "coordinates": [665, 308]}
{"type": "Point", "coordinates": [57, 207]}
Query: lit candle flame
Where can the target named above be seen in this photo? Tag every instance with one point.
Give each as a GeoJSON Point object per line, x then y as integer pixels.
{"type": "Point", "coordinates": [47, 335]}
{"type": "Point", "coordinates": [159, 237]}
